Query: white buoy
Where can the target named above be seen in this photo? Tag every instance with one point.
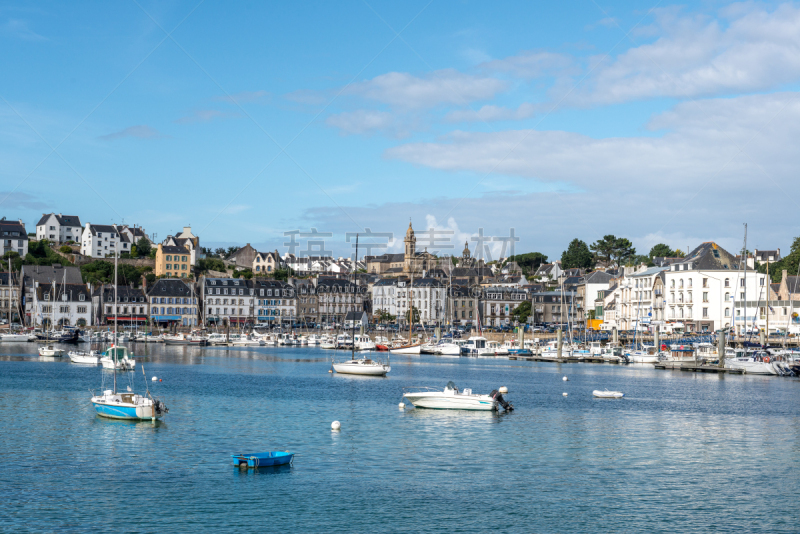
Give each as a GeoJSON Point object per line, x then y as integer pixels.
{"type": "Point", "coordinates": [155, 379]}
{"type": "Point", "coordinates": [402, 405]}
{"type": "Point", "coordinates": [330, 370]}
{"type": "Point", "coordinates": [565, 379]}
{"type": "Point", "coordinates": [565, 394]}
{"type": "Point", "coordinates": [503, 390]}
{"type": "Point", "coordinates": [336, 425]}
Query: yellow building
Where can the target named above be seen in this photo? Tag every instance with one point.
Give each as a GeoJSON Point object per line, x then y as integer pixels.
{"type": "Point", "coordinates": [173, 261]}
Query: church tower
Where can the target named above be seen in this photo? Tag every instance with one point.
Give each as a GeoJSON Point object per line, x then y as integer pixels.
{"type": "Point", "coordinates": [411, 249]}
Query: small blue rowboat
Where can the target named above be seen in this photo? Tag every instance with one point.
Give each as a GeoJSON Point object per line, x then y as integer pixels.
{"type": "Point", "coordinates": [262, 459]}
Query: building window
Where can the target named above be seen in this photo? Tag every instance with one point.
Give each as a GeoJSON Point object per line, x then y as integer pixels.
{"type": "Point", "coordinates": [705, 295]}
{"type": "Point", "coordinates": [727, 282]}
{"type": "Point", "coordinates": [169, 257]}
{"type": "Point", "coordinates": [705, 282]}
{"type": "Point", "coordinates": [705, 313]}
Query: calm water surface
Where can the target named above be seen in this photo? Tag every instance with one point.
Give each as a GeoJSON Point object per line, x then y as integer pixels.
{"type": "Point", "coordinates": [682, 452]}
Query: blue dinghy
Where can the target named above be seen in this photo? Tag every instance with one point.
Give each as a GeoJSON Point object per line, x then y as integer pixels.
{"type": "Point", "coordinates": [262, 459]}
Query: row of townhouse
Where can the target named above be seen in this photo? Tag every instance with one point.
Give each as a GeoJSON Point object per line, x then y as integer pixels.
{"type": "Point", "coordinates": [707, 290]}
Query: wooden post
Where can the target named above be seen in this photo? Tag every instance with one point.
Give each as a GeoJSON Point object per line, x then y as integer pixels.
{"type": "Point", "coordinates": [560, 340]}
{"type": "Point", "coordinates": [721, 349]}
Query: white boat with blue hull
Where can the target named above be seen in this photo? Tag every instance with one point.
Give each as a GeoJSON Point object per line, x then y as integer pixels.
{"type": "Point", "coordinates": [128, 406]}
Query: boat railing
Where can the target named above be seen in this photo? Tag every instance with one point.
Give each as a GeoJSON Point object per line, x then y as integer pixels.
{"type": "Point", "coordinates": [416, 389]}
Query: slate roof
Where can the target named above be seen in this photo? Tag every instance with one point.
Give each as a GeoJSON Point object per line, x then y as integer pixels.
{"type": "Point", "coordinates": [46, 274]}
{"type": "Point", "coordinates": [12, 230]}
{"type": "Point", "coordinates": [107, 291]}
{"type": "Point", "coordinates": [793, 284]}
{"type": "Point", "coordinates": [63, 220]}
{"type": "Point", "coordinates": [709, 256]}
{"type": "Point", "coordinates": [598, 277]}
{"type": "Point", "coordinates": [169, 287]}
{"type": "Point", "coordinates": [174, 250]}
{"type": "Point", "coordinates": [73, 291]}
{"type": "Point", "coordinates": [355, 315]}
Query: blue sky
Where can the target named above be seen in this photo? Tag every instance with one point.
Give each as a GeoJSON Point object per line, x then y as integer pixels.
{"type": "Point", "coordinates": [657, 122]}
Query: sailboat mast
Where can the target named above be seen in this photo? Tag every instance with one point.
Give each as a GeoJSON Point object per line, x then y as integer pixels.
{"type": "Point", "coordinates": [116, 305]}
{"type": "Point", "coordinates": [353, 325]}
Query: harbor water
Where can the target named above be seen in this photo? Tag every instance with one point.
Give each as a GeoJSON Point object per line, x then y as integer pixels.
{"type": "Point", "coordinates": [682, 452]}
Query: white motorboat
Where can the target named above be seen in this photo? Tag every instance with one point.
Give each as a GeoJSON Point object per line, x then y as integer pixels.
{"type": "Point", "coordinates": [759, 363]}
{"type": "Point", "coordinates": [448, 348]}
{"type": "Point", "coordinates": [497, 349]}
{"type": "Point", "coordinates": [50, 351]}
{"type": "Point", "coordinates": [606, 394]}
{"type": "Point", "coordinates": [88, 358]}
{"type": "Point", "coordinates": [217, 339]}
{"type": "Point", "coordinates": [477, 346]}
{"type": "Point", "coordinates": [453, 399]}
{"type": "Point", "coordinates": [117, 358]}
{"type": "Point", "coordinates": [288, 339]}
{"type": "Point", "coordinates": [246, 341]}
{"type": "Point", "coordinates": [16, 338]}
{"type": "Point", "coordinates": [314, 339]}
{"type": "Point", "coordinates": [551, 350]}
{"type": "Point", "coordinates": [363, 342]}
{"type": "Point", "coordinates": [647, 354]}
{"type": "Point", "coordinates": [327, 342]}
{"type": "Point", "coordinates": [362, 366]}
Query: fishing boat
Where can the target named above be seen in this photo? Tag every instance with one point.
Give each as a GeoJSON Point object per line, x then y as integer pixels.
{"type": "Point", "coordinates": [91, 357]}
{"type": "Point", "coordinates": [50, 351]}
{"type": "Point", "coordinates": [262, 459]}
{"type": "Point", "coordinates": [606, 394]}
{"type": "Point", "coordinates": [452, 399]}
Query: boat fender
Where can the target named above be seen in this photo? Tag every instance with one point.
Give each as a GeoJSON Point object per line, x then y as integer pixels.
{"type": "Point", "coordinates": [766, 360]}
{"type": "Point", "coordinates": [336, 425]}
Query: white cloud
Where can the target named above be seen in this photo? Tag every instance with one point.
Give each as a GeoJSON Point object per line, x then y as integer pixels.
{"type": "Point", "coordinates": [700, 142]}
{"type": "Point", "coordinates": [693, 57]}
{"type": "Point", "coordinates": [490, 113]}
{"type": "Point", "coordinates": [361, 121]}
{"type": "Point", "coordinates": [405, 90]}
{"type": "Point", "coordinates": [531, 64]}
{"type": "Point", "coordinates": [141, 131]}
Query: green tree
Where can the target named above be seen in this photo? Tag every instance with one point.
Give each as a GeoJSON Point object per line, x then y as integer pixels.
{"type": "Point", "coordinates": [282, 274]}
{"type": "Point", "coordinates": [143, 247]}
{"type": "Point", "coordinates": [210, 264]}
{"type": "Point", "coordinates": [65, 249]}
{"type": "Point", "coordinates": [528, 262]}
{"type": "Point", "coordinates": [576, 255]}
{"type": "Point", "coordinates": [522, 312]}
{"type": "Point", "coordinates": [220, 252]}
{"type": "Point", "coordinates": [639, 259]}
{"type": "Point", "coordinates": [623, 251]}
{"type": "Point", "coordinates": [661, 251]}
{"type": "Point", "coordinates": [789, 262]}
{"type": "Point", "coordinates": [604, 249]}
{"type": "Point", "coordinates": [384, 316]}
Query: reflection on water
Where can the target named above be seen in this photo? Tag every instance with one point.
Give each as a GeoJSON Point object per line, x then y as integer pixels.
{"type": "Point", "coordinates": [681, 452]}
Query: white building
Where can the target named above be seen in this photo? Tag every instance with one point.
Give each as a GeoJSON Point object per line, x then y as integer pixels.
{"type": "Point", "coordinates": [427, 295]}
{"type": "Point", "coordinates": [100, 240]}
{"type": "Point", "coordinates": [266, 262]}
{"type": "Point", "coordinates": [701, 291]}
{"type": "Point", "coordinates": [185, 239]}
{"type": "Point", "coordinates": [59, 228]}
{"type": "Point", "coordinates": [61, 305]}
{"type": "Point", "coordinates": [14, 237]}
{"type": "Point", "coordinates": [133, 233]}
{"type": "Point", "coordinates": [384, 294]}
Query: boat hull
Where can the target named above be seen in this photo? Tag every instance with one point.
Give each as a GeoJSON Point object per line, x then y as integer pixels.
{"type": "Point", "coordinates": [357, 367]}
{"type": "Point", "coordinates": [262, 459]}
{"type": "Point", "coordinates": [87, 359]}
{"type": "Point", "coordinates": [125, 411]}
{"type": "Point", "coordinates": [451, 402]}
{"type": "Point", "coordinates": [409, 349]}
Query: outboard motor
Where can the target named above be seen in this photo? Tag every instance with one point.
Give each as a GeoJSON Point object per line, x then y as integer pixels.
{"type": "Point", "coordinates": [160, 407]}
{"type": "Point", "coordinates": [496, 395]}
